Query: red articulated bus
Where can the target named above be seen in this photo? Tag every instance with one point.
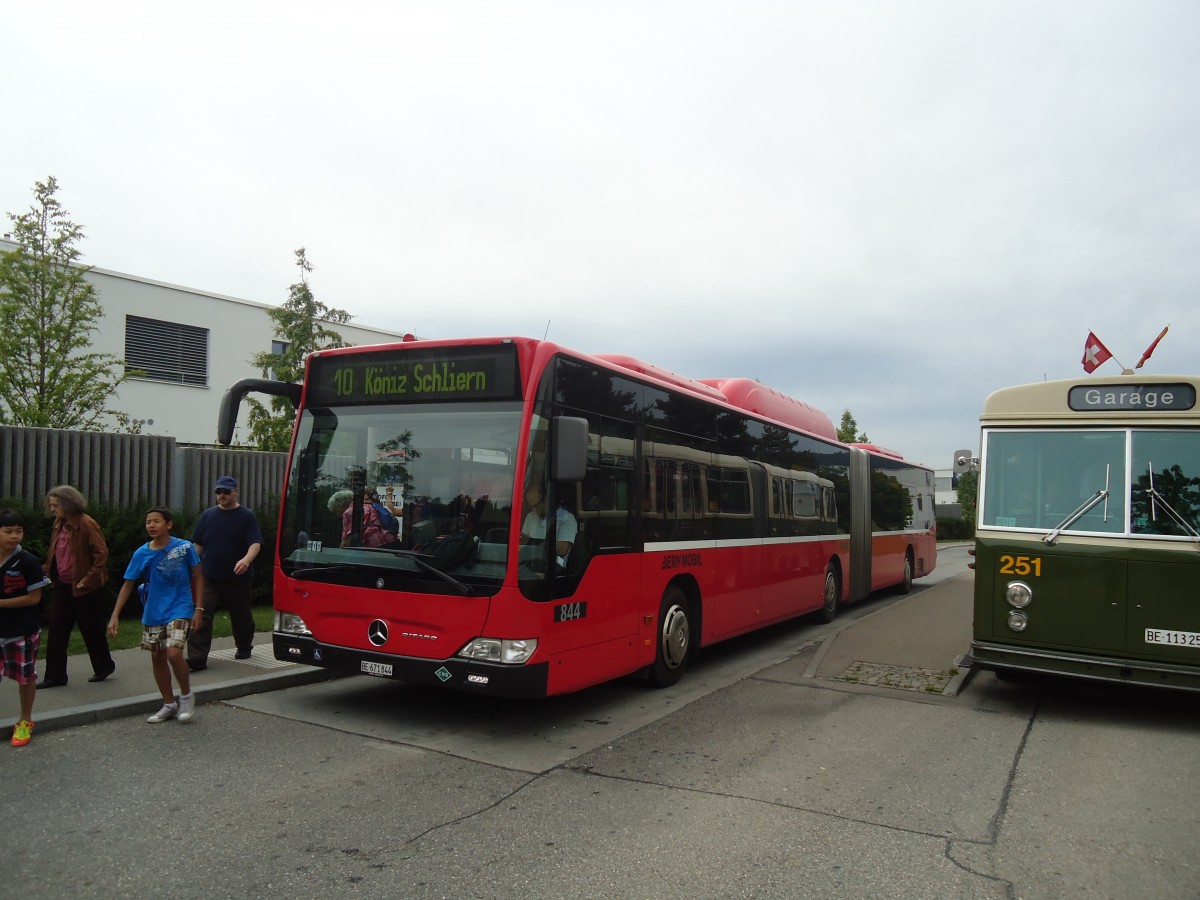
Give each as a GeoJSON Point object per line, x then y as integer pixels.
{"type": "Point", "coordinates": [564, 519]}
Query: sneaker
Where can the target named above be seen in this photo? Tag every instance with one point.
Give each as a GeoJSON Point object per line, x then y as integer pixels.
{"type": "Point", "coordinates": [187, 707]}
{"type": "Point", "coordinates": [243, 654]}
{"type": "Point", "coordinates": [22, 732]}
{"type": "Point", "coordinates": [197, 666]}
{"type": "Point", "coordinates": [169, 711]}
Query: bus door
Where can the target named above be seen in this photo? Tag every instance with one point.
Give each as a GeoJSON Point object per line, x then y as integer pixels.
{"type": "Point", "coordinates": [1164, 608]}
{"type": "Point", "coordinates": [1164, 499]}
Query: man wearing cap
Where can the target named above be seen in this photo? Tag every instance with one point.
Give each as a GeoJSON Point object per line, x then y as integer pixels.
{"type": "Point", "coordinates": [228, 538]}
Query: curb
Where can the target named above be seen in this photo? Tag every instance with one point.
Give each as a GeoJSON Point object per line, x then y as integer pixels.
{"type": "Point", "coordinates": [959, 681]}
{"type": "Point", "coordinates": [52, 720]}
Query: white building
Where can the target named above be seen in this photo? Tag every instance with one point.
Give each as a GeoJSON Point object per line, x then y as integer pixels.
{"type": "Point", "coordinates": [193, 346]}
{"type": "Point", "coordinates": [945, 496]}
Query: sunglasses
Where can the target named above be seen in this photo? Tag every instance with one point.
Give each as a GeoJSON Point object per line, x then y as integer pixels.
{"type": "Point", "coordinates": [224, 491]}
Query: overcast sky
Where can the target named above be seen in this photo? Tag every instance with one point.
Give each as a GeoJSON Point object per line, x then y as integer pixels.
{"type": "Point", "coordinates": [892, 207]}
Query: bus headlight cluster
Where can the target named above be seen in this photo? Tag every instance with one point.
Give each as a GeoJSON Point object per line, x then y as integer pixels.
{"type": "Point", "coordinates": [1018, 594]}
{"type": "Point", "coordinates": [513, 652]}
{"type": "Point", "coordinates": [290, 623]}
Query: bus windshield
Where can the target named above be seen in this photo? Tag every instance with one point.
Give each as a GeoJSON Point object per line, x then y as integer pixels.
{"type": "Point", "coordinates": [418, 489]}
{"type": "Point", "coordinates": [1038, 479]}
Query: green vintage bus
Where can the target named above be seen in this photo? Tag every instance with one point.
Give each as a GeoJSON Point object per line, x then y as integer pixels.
{"type": "Point", "coordinates": [1087, 549]}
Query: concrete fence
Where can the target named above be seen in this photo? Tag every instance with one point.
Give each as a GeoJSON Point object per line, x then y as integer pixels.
{"type": "Point", "coordinates": [131, 469]}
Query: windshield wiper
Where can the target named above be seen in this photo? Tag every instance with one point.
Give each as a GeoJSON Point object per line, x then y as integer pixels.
{"type": "Point", "coordinates": [459, 586]}
{"type": "Point", "coordinates": [301, 574]}
{"type": "Point", "coordinates": [1083, 509]}
{"type": "Point", "coordinates": [462, 587]}
{"type": "Point", "coordinates": [1156, 498]}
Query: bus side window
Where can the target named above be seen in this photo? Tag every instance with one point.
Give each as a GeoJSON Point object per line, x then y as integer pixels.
{"type": "Point", "coordinates": [612, 526]}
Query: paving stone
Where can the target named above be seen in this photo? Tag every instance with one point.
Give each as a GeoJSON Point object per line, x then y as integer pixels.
{"type": "Point", "coordinates": [905, 678]}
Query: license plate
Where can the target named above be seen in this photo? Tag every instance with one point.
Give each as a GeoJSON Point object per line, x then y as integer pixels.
{"type": "Point", "coordinates": [1173, 638]}
{"type": "Point", "coordinates": [383, 670]}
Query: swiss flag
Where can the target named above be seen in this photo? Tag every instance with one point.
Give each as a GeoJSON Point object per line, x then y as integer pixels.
{"type": "Point", "coordinates": [1095, 354]}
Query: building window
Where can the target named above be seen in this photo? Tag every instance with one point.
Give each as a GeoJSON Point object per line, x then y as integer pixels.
{"type": "Point", "coordinates": [278, 348]}
{"type": "Point", "coordinates": [166, 351]}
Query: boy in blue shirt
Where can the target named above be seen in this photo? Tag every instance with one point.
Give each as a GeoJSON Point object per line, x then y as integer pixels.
{"type": "Point", "coordinates": [171, 568]}
{"type": "Point", "coordinates": [21, 583]}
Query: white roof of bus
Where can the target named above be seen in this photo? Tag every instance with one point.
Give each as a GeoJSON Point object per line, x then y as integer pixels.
{"type": "Point", "coordinates": [1045, 401]}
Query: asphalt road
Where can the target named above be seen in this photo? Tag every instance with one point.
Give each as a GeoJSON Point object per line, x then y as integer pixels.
{"type": "Point", "coordinates": [757, 780]}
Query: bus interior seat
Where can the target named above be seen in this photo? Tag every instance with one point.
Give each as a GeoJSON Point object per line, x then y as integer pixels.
{"type": "Point", "coordinates": [422, 533]}
{"type": "Point", "coordinates": [580, 552]}
{"type": "Point", "coordinates": [486, 552]}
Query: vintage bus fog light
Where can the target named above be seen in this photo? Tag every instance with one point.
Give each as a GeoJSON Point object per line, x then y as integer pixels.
{"type": "Point", "coordinates": [290, 623]}
{"type": "Point", "coordinates": [1018, 594]}
{"type": "Point", "coordinates": [496, 650]}
{"type": "Point", "coordinates": [1018, 621]}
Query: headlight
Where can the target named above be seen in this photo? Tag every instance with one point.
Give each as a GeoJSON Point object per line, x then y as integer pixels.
{"type": "Point", "coordinates": [1018, 594]}
{"type": "Point", "coordinates": [290, 623]}
{"type": "Point", "coordinates": [1018, 621]}
{"type": "Point", "coordinates": [496, 650]}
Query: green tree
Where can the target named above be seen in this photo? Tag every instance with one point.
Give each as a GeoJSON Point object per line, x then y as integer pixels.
{"type": "Point", "coordinates": [301, 325]}
{"type": "Point", "coordinates": [49, 378]}
{"type": "Point", "coordinates": [847, 432]}
{"type": "Point", "coordinates": [968, 493]}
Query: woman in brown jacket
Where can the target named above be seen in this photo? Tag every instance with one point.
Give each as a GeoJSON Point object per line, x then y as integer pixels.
{"type": "Point", "coordinates": [78, 568]}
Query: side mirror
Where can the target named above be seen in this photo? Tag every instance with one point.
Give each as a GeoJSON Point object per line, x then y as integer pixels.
{"type": "Point", "coordinates": [964, 462]}
{"type": "Point", "coordinates": [232, 400]}
{"type": "Point", "coordinates": [568, 448]}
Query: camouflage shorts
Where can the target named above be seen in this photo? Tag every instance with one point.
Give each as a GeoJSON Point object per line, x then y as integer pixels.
{"type": "Point", "coordinates": [163, 637]}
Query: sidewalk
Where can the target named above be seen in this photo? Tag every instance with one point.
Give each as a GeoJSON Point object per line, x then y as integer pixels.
{"type": "Point", "coordinates": [131, 689]}
{"type": "Point", "coordinates": [915, 644]}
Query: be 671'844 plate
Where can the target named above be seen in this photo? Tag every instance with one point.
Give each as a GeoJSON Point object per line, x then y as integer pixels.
{"type": "Point", "coordinates": [383, 670]}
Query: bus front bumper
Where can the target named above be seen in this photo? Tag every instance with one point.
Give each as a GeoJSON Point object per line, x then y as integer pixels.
{"type": "Point", "coordinates": [1003, 658]}
{"type": "Point", "coordinates": [526, 681]}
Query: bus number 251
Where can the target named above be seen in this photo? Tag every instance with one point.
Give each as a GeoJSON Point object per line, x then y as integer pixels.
{"type": "Point", "coordinates": [1020, 565]}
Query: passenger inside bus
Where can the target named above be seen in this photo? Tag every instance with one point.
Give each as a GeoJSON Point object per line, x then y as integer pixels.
{"type": "Point", "coordinates": [372, 532]}
{"type": "Point", "coordinates": [533, 529]}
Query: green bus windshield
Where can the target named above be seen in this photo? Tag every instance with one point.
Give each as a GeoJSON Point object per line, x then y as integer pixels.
{"type": "Point", "coordinates": [1037, 479]}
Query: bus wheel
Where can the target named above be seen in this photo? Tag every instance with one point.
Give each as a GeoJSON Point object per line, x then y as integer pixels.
{"type": "Point", "coordinates": [833, 593]}
{"type": "Point", "coordinates": [674, 639]}
{"type": "Point", "coordinates": [906, 585]}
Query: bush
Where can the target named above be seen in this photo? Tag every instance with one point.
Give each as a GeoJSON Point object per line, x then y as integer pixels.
{"type": "Point", "coordinates": [949, 529]}
{"type": "Point", "coordinates": [124, 530]}
{"type": "Point", "coordinates": [37, 525]}
{"type": "Point", "coordinates": [264, 566]}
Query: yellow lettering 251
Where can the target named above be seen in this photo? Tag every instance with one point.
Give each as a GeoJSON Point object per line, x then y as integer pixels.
{"type": "Point", "coordinates": [1020, 565]}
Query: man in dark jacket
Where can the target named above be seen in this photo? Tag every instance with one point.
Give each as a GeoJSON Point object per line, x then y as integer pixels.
{"type": "Point", "coordinates": [228, 538]}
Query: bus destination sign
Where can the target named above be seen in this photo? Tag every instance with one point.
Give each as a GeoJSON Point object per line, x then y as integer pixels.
{"type": "Point", "coordinates": [414, 376]}
{"type": "Point", "coordinates": [1131, 397]}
